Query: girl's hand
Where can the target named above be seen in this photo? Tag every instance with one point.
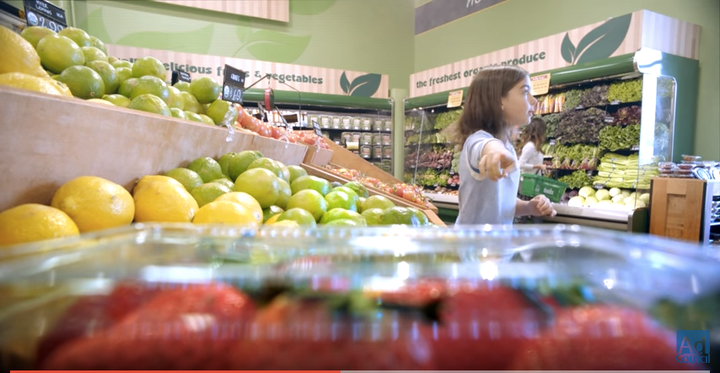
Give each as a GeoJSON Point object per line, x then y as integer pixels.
{"type": "Point", "coordinates": [542, 166]}
{"type": "Point", "coordinates": [496, 162]}
{"type": "Point", "coordinates": [541, 206]}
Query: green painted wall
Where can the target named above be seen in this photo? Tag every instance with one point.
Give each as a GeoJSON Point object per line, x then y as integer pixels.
{"type": "Point", "coordinates": [518, 21]}
{"type": "Point", "coordinates": [369, 35]}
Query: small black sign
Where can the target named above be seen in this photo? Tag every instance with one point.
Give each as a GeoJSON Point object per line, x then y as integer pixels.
{"type": "Point", "coordinates": [234, 84]}
{"type": "Point", "coordinates": [180, 76]}
{"type": "Point", "coordinates": [44, 14]}
{"type": "Point", "coordinates": [316, 128]}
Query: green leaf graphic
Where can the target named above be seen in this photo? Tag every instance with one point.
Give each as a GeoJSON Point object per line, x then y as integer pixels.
{"type": "Point", "coordinates": [365, 85]}
{"type": "Point", "coordinates": [567, 49]}
{"type": "Point", "coordinates": [174, 41]}
{"type": "Point", "coordinates": [95, 26]}
{"type": "Point", "coordinates": [602, 41]}
{"type": "Point", "coordinates": [344, 83]}
{"type": "Point", "coordinates": [310, 7]}
{"type": "Point", "coordinates": [276, 46]}
{"type": "Point", "coordinates": [243, 32]}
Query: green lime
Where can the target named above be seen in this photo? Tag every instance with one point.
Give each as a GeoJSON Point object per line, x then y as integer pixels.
{"type": "Point", "coordinates": [122, 63]}
{"type": "Point", "coordinates": [79, 36]}
{"type": "Point", "coordinates": [295, 172]}
{"type": "Point", "coordinates": [219, 109]}
{"type": "Point", "coordinates": [149, 66]}
{"type": "Point", "coordinates": [342, 214]}
{"type": "Point", "coordinates": [182, 86]}
{"type": "Point", "coordinates": [358, 187]}
{"type": "Point", "coordinates": [187, 177]}
{"type": "Point", "coordinates": [302, 217]}
{"type": "Point", "coordinates": [422, 218]}
{"type": "Point", "coordinates": [117, 100]}
{"type": "Point", "coordinates": [177, 113]}
{"type": "Point", "coordinates": [152, 85]}
{"type": "Point", "coordinates": [311, 182]}
{"type": "Point", "coordinates": [93, 54]}
{"type": "Point", "coordinates": [123, 74]}
{"type": "Point", "coordinates": [268, 164]}
{"type": "Point", "coordinates": [261, 184]}
{"type": "Point", "coordinates": [83, 82]}
{"type": "Point", "coordinates": [205, 89]}
{"type": "Point", "coordinates": [372, 216]}
{"type": "Point", "coordinates": [399, 215]}
{"type": "Point", "coordinates": [341, 199]}
{"type": "Point", "coordinates": [175, 100]}
{"type": "Point", "coordinates": [57, 53]}
{"type": "Point", "coordinates": [127, 85]}
{"type": "Point", "coordinates": [107, 73]}
{"type": "Point", "coordinates": [33, 34]}
{"type": "Point", "coordinates": [225, 182]}
{"type": "Point", "coordinates": [206, 119]}
{"type": "Point", "coordinates": [377, 201]}
{"type": "Point", "coordinates": [309, 200]}
{"type": "Point", "coordinates": [193, 117]}
{"type": "Point", "coordinates": [97, 43]}
{"type": "Point", "coordinates": [208, 192]}
{"type": "Point", "coordinates": [344, 223]}
{"type": "Point", "coordinates": [284, 194]}
{"type": "Point", "coordinates": [271, 211]}
{"type": "Point", "coordinates": [150, 103]}
{"type": "Point", "coordinates": [190, 103]}
{"type": "Point", "coordinates": [207, 168]}
{"type": "Point", "coordinates": [240, 162]}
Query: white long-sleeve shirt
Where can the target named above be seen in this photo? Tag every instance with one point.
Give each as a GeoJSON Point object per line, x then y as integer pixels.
{"type": "Point", "coordinates": [529, 157]}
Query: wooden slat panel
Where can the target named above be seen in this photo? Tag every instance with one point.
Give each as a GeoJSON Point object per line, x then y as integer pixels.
{"type": "Point", "coordinates": [676, 208]}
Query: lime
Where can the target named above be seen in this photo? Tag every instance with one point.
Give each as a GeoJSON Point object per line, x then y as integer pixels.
{"type": "Point", "coordinates": [57, 53]}
{"type": "Point", "coordinates": [190, 103]}
{"type": "Point", "coordinates": [295, 172]}
{"type": "Point", "coordinates": [122, 63]}
{"type": "Point", "coordinates": [187, 177]}
{"type": "Point", "coordinates": [284, 195]}
{"type": "Point", "coordinates": [149, 66]}
{"type": "Point", "coordinates": [194, 117]}
{"type": "Point", "coordinates": [271, 211]}
{"type": "Point", "coordinates": [224, 212]}
{"type": "Point", "coordinates": [117, 100]}
{"type": "Point", "coordinates": [240, 162]}
{"type": "Point", "coordinates": [208, 192]}
{"type": "Point", "coordinates": [97, 43]}
{"type": "Point", "coordinates": [79, 36]}
{"type": "Point", "coordinates": [359, 203]}
{"type": "Point", "coordinates": [268, 164]}
{"type": "Point", "coordinates": [182, 86]}
{"type": "Point", "coordinates": [33, 34]}
{"type": "Point", "coordinates": [309, 200]}
{"type": "Point", "coordinates": [347, 190]}
{"type": "Point", "coordinates": [152, 85]}
{"type": "Point", "coordinates": [206, 119]}
{"type": "Point", "coordinates": [310, 182]}
{"type": "Point", "coordinates": [298, 215]}
{"type": "Point", "coordinates": [205, 89]}
{"type": "Point", "coordinates": [335, 184]}
{"type": "Point", "coordinates": [358, 187]}
{"type": "Point", "coordinates": [175, 100]}
{"type": "Point", "coordinates": [422, 218]}
{"type": "Point", "coordinates": [126, 86]}
{"type": "Point", "coordinates": [344, 223]}
{"type": "Point", "coordinates": [342, 214]}
{"type": "Point", "coordinates": [372, 216]}
{"type": "Point", "coordinates": [399, 215]}
{"type": "Point", "coordinates": [177, 113]}
{"type": "Point", "coordinates": [225, 182]}
{"type": "Point", "coordinates": [107, 73]}
{"type": "Point", "coordinates": [219, 108]}
{"type": "Point", "coordinates": [93, 54]}
{"type": "Point", "coordinates": [100, 101]}
{"type": "Point", "coordinates": [83, 82]}
{"type": "Point", "coordinates": [286, 223]}
{"type": "Point", "coordinates": [341, 199]}
{"type": "Point", "coordinates": [377, 201]}
{"type": "Point", "coordinates": [150, 103]}
{"type": "Point", "coordinates": [207, 168]}
{"type": "Point", "coordinates": [224, 162]}
{"type": "Point", "coordinates": [260, 183]}
{"type": "Point", "coordinates": [123, 73]}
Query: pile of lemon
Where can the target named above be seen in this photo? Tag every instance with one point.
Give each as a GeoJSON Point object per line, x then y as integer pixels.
{"type": "Point", "coordinates": [73, 63]}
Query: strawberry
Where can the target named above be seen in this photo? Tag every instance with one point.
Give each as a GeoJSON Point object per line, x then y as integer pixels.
{"type": "Point", "coordinates": [92, 314]}
{"type": "Point", "coordinates": [600, 337]}
{"type": "Point", "coordinates": [294, 334]}
{"type": "Point", "coordinates": [186, 327]}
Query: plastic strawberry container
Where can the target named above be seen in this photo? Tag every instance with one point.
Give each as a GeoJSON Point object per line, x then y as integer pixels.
{"type": "Point", "coordinates": [189, 297]}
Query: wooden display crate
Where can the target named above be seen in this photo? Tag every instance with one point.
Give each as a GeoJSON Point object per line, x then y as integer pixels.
{"type": "Point", "coordinates": [330, 176]}
{"type": "Point", "coordinates": [676, 208]}
{"type": "Point", "coordinates": [318, 156]}
{"type": "Point", "coordinates": [48, 140]}
{"type": "Point", "coordinates": [344, 158]}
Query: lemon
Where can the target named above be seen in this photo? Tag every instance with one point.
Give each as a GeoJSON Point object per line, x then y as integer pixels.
{"type": "Point", "coordinates": [29, 82]}
{"type": "Point", "coordinates": [271, 212]}
{"type": "Point", "coordinates": [177, 113]}
{"type": "Point", "coordinates": [57, 53]}
{"type": "Point", "coordinates": [150, 103]}
{"type": "Point", "coordinates": [34, 222]}
{"type": "Point", "coordinates": [161, 200]}
{"type": "Point", "coordinates": [100, 101]}
{"type": "Point", "coordinates": [95, 203]}
{"type": "Point", "coordinates": [147, 179]}
{"type": "Point", "coordinates": [208, 192]}
{"type": "Point", "coordinates": [271, 220]}
{"type": "Point", "coordinates": [205, 90]}
{"type": "Point", "coordinates": [107, 73]}
{"type": "Point", "coordinates": [97, 43]}
{"type": "Point", "coordinates": [149, 66]}
{"type": "Point", "coordinates": [93, 54]}
{"type": "Point", "coordinates": [61, 87]}
{"type": "Point", "coordinates": [286, 223]}
{"type": "Point", "coordinates": [79, 36]}
{"type": "Point", "coordinates": [83, 82]}
{"type": "Point", "coordinates": [247, 201]}
{"type": "Point", "coordinates": [224, 212]}
{"type": "Point", "coordinates": [33, 34]}
{"type": "Point", "coordinates": [18, 55]}
{"type": "Point", "coordinates": [187, 177]}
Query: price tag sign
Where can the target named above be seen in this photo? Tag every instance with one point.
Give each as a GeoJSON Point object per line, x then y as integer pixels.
{"type": "Point", "coordinates": [233, 85]}
{"type": "Point", "coordinates": [44, 14]}
{"type": "Point", "coordinates": [540, 84]}
{"type": "Point", "coordinates": [609, 120]}
{"type": "Point", "coordinates": [180, 76]}
{"type": "Point", "coordinates": [316, 128]}
{"type": "Point", "coordinates": [455, 99]}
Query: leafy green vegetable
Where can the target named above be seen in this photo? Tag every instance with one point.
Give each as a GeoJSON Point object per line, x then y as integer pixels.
{"type": "Point", "coordinates": [572, 99]}
{"type": "Point", "coordinates": [581, 126]}
{"type": "Point", "coordinates": [577, 179]}
{"type": "Point", "coordinates": [447, 118]}
{"type": "Point", "coordinates": [551, 121]}
{"type": "Point", "coordinates": [617, 137]}
{"type": "Point", "coordinates": [625, 91]}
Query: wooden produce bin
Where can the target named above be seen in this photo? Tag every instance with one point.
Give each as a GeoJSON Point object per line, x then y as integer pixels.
{"type": "Point", "coordinates": [676, 208]}
{"type": "Point", "coordinates": [47, 140]}
{"type": "Point", "coordinates": [344, 158]}
{"type": "Point", "coordinates": [318, 156]}
{"type": "Point", "coordinates": [320, 172]}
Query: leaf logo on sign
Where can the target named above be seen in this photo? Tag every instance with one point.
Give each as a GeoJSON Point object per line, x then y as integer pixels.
{"type": "Point", "coordinates": [599, 43]}
{"type": "Point", "coordinates": [362, 86]}
{"type": "Point", "coordinates": [268, 45]}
